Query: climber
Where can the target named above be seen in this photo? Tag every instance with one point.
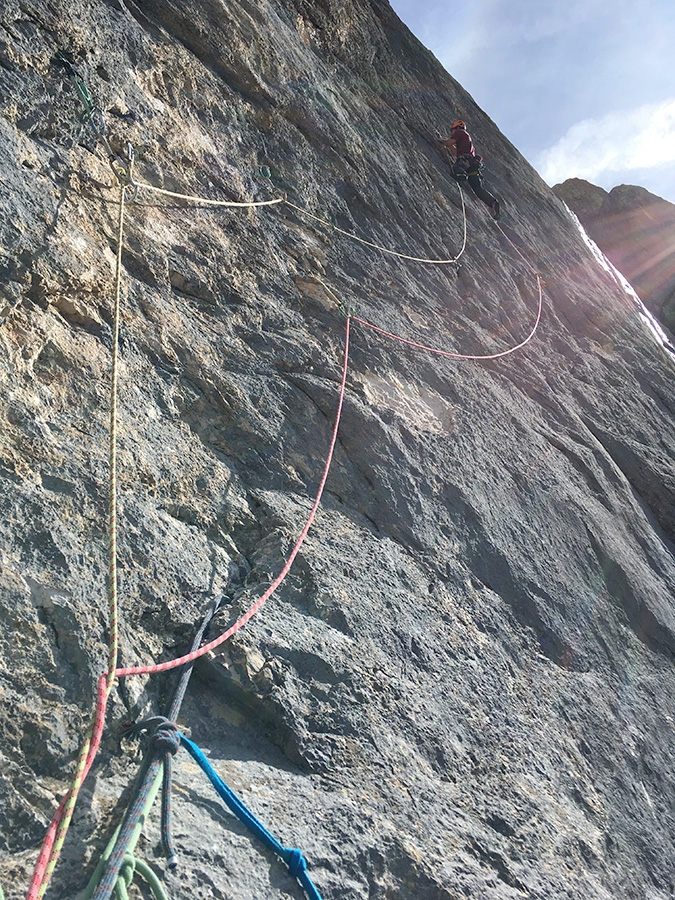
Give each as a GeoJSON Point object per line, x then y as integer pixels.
{"type": "Point", "coordinates": [467, 164]}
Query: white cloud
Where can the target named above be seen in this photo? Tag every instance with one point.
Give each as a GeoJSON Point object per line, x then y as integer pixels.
{"type": "Point", "coordinates": [637, 139]}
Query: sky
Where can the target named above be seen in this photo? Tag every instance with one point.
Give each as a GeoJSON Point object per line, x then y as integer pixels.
{"type": "Point", "coordinates": [583, 88]}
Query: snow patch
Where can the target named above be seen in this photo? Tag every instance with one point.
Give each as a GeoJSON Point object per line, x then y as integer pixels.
{"type": "Point", "coordinates": [650, 321]}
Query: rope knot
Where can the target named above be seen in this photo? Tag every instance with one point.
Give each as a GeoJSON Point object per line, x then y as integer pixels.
{"type": "Point", "coordinates": [161, 732]}
{"type": "Point", "coordinates": [127, 869]}
{"type": "Point", "coordinates": [166, 737]}
{"type": "Point", "coordinates": [296, 862]}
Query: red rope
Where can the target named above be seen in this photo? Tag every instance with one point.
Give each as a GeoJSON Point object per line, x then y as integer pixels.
{"type": "Point", "coordinates": [190, 657]}
{"type": "Point", "coordinates": [447, 353]}
{"type": "Point", "coordinates": [47, 845]}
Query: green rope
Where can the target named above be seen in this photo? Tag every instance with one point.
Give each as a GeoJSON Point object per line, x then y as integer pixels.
{"type": "Point", "coordinates": [132, 864]}
{"type": "Point", "coordinates": [98, 871]}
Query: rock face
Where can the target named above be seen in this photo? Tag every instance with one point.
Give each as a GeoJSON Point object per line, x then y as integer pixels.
{"type": "Point", "coordinates": [464, 687]}
{"type": "Point", "coordinates": [636, 231]}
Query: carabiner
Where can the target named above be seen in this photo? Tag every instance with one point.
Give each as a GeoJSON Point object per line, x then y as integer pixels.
{"type": "Point", "coordinates": [98, 123]}
{"type": "Point", "coordinates": [123, 169]}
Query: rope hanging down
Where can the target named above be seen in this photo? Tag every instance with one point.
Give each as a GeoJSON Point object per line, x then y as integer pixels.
{"type": "Point", "coordinates": [52, 847]}
{"type": "Point", "coordinates": [56, 834]}
{"type": "Point", "coordinates": [446, 353]}
{"type": "Point", "coordinates": [293, 858]}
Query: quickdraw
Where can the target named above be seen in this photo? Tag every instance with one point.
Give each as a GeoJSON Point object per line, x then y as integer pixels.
{"type": "Point", "coordinates": [63, 59]}
{"type": "Point", "coordinates": [92, 114]}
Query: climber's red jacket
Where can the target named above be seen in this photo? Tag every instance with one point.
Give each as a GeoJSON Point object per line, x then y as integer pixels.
{"type": "Point", "coordinates": [460, 143]}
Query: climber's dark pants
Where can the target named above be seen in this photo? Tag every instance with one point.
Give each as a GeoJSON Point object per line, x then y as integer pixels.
{"type": "Point", "coordinates": [476, 185]}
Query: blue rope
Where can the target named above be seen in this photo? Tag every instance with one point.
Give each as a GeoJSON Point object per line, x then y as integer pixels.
{"type": "Point", "coordinates": [294, 859]}
{"type": "Point", "coordinates": [164, 742]}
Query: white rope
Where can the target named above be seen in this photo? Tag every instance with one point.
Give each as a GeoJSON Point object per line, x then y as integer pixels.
{"type": "Point", "coordinates": [419, 259]}
{"type": "Point", "coordinates": [150, 187]}
{"type": "Point", "coordinates": [305, 212]}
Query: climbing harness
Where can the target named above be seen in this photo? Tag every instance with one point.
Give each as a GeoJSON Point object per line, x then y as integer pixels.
{"type": "Point", "coordinates": [293, 858]}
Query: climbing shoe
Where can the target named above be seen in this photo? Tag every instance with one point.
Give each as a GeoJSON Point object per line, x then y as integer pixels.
{"type": "Point", "coordinates": [494, 207]}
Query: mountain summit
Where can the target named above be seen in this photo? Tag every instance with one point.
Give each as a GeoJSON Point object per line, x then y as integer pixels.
{"type": "Point", "coordinates": [463, 685]}
{"type": "Point", "coordinates": [636, 231]}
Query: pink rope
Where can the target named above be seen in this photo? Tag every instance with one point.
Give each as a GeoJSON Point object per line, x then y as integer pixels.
{"type": "Point", "coordinates": [190, 657]}
{"type": "Point", "coordinates": [451, 355]}
{"type": "Point", "coordinates": [53, 830]}
{"type": "Point", "coordinates": [103, 688]}
{"type": "Point", "coordinates": [447, 353]}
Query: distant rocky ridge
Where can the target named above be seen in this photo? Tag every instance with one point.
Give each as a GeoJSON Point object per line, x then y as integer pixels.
{"type": "Point", "coordinates": [635, 229]}
{"type": "Point", "coordinates": [464, 688]}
